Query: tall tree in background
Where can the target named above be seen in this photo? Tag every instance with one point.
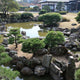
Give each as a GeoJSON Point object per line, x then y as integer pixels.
{"type": "Point", "coordinates": [60, 6]}
{"type": "Point", "coordinates": [8, 5]}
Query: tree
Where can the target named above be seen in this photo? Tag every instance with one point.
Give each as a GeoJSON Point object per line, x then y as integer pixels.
{"type": "Point", "coordinates": [33, 45]}
{"type": "Point", "coordinates": [8, 74]}
{"type": "Point", "coordinates": [78, 17]}
{"type": "Point", "coordinates": [8, 5]}
{"type": "Point", "coordinates": [47, 8]}
{"type": "Point", "coordinates": [60, 6]}
{"type": "Point", "coordinates": [15, 34]}
{"type": "Point", "coordinates": [42, 12]}
{"type": "Point", "coordinates": [50, 19]}
{"type": "Point", "coordinates": [77, 75]}
{"type": "Point", "coordinates": [36, 8]}
{"type": "Point", "coordinates": [54, 38]}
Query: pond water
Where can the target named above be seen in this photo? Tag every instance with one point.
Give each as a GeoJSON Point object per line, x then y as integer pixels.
{"type": "Point", "coordinates": [32, 29]}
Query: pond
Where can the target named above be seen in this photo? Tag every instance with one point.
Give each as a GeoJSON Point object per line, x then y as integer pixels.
{"type": "Point", "coordinates": [32, 29]}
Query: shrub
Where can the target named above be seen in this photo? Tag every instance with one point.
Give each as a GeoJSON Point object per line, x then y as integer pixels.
{"type": "Point", "coordinates": [11, 40]}
{"type": "Point", "coordinates": [15, 17]}
{"type": "Point", "coordinates": [64, 19]}
{"type": "Point", "coordinates": [42, 12]}
{"type": "Point", "coordinates": [4, 58]}
{"type": "Point", "coordinates": [50, 19]}
{"type": "Point", "coordinates": [78, 17]}
{"type": "Point", "coordinates": [8, 74]}
{"type": "Point", "coordinates": [33, 45]}
{"type": "Point", "coordinates": [2, 49]}
{"type": "Point", "coordinates": [26, 16]}
{"type": "Point", "coordinates": [77, 75]}
{"type": "Point", "coordinates": [54, 38]}
{"type": "Point", "coordinates": [63, 12]}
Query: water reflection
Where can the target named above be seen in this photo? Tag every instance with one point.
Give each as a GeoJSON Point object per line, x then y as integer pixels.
{"type": "Point", "coordinates": [33, 32]}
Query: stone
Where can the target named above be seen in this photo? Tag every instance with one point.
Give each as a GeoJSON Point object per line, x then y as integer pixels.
{"type": "Point", "coordinates": [41, 52]}
{"type": "Point", "coordinates": [47, 60]}
{"type": "Point", "coordinates": [59, 51]}
{"type": "Point", "coordinates": [7, 49]}
{"type": "Point", "coordinates": [23, 33]}
{"type": "Point", "coordinates": [73, 24]}
{"type": "Point", "coordinates": [26, 71]}
{"type": "Point", "coordinates": [5, 42]}
{"type": "Point", "coordinates": [70, 72]}
{"type": "Point", "coordinates": [39, 71]}
{"type": "Point", "coordinates": [19, 65]}
{"type": "Point", "coordinates": [12, 53]}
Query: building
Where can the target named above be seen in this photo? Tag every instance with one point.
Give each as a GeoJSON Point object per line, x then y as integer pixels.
{"type": "Point", "coordinates": [69, 5]}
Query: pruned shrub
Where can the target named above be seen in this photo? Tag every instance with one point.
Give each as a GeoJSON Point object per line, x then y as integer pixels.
{"type": "Point", "coordinates": [2, 49]}
{"type": "Point", "coordinates": [50, 19]}
{"type": "Point", "coordinates": [26, 16]}
{"type": "Point", "coordinates": [63, 12]}
{"type": "Point", "coordinates": [77, 75]}
{"type": "Point", "coordinates": [78, 17]}
{"type": "Point", "coordinates": [54, 38]}
{"type": "Point", "coordinates": [32, 45]}
{"type": "Point", "coordinates": [8, 74]}
{"type": "Point", "coordinates": [4, 58]}
{"type": "Point", "coordinates": [42, 12]}
{"type": "Point", "coordinates": [15, 17]}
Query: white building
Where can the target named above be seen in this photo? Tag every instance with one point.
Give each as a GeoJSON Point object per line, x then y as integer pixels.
{"type": "Point", "coordinates": [69, 5]}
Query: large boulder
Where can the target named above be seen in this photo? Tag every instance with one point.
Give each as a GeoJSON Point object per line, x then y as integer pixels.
{"type": "Point", "coordinates": [39, 71]}
{"type": "Point", "coordinates": [26, 71]}
{"type": "Point", "coordinates": [41, 52]}
{"type": "Point", "coordinates": [47, 60]}
{"type": "Point", "coordinates": [59, 51]}
{"type": "Point", "coordinates": [19, 65]}
{"type": "Point", "coordinates": [23, 33]}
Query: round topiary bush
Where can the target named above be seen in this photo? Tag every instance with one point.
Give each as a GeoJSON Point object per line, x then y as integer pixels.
{"type": "Point", "coordinates": [32, 45]}
{"type": "Point", "coordinates": [50, 19]}
{"type": "Point", "coordinates": [54, 38]}
{"type": "Point", "coordinates": [42, 12]}
{"type": "Point", "coordinates": [26, 16]}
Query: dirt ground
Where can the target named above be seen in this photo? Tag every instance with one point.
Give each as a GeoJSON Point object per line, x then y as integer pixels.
{"type": "Point", "coordinates": [19, 52]}
{"type": "Point", "coordinates": [71, 17]}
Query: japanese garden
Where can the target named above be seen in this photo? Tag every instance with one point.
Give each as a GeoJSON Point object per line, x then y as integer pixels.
{"type": "Point", "coordinates": [39, 40]}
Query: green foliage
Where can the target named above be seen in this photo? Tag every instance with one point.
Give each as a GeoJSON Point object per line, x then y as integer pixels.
{"type": "Point", "coordinates": [60, 6]}
{"type": "Point", "coordinates": [77, 75]}
{"type": "Point", "coordinates": [15, 17]}
{"type": "Point", "coordinates": [28, 9]}
{"type": "Point", "coordinates": [11, 40]}
{"type": "Point", "coordinates": [16, 33]}
{"type": "Point", "coordinates": [4, 58]}
{"type": "Point", "coordinates": [54, 38]}
{"type": "Point", "coordinates": [42, 12]}
{"type": "Point", "coordinates": [50, 19]}
{"type": "Point", "coordinates": [26, 16]}
{"type": "Point", "coordinates": [2, 49]}
{"type": "Point", "coordinates": [78, 17]}
{"type": "Point", "coordinates": [62, 12]}
{"type": "Point", "coordinates": [8, 74]}
{"type": "Point", "coordinates": [33, 45]}
{"type": "Point", "coordinates": [36, 8]}
{"type": "Point", "coordinates": [46, 8]}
